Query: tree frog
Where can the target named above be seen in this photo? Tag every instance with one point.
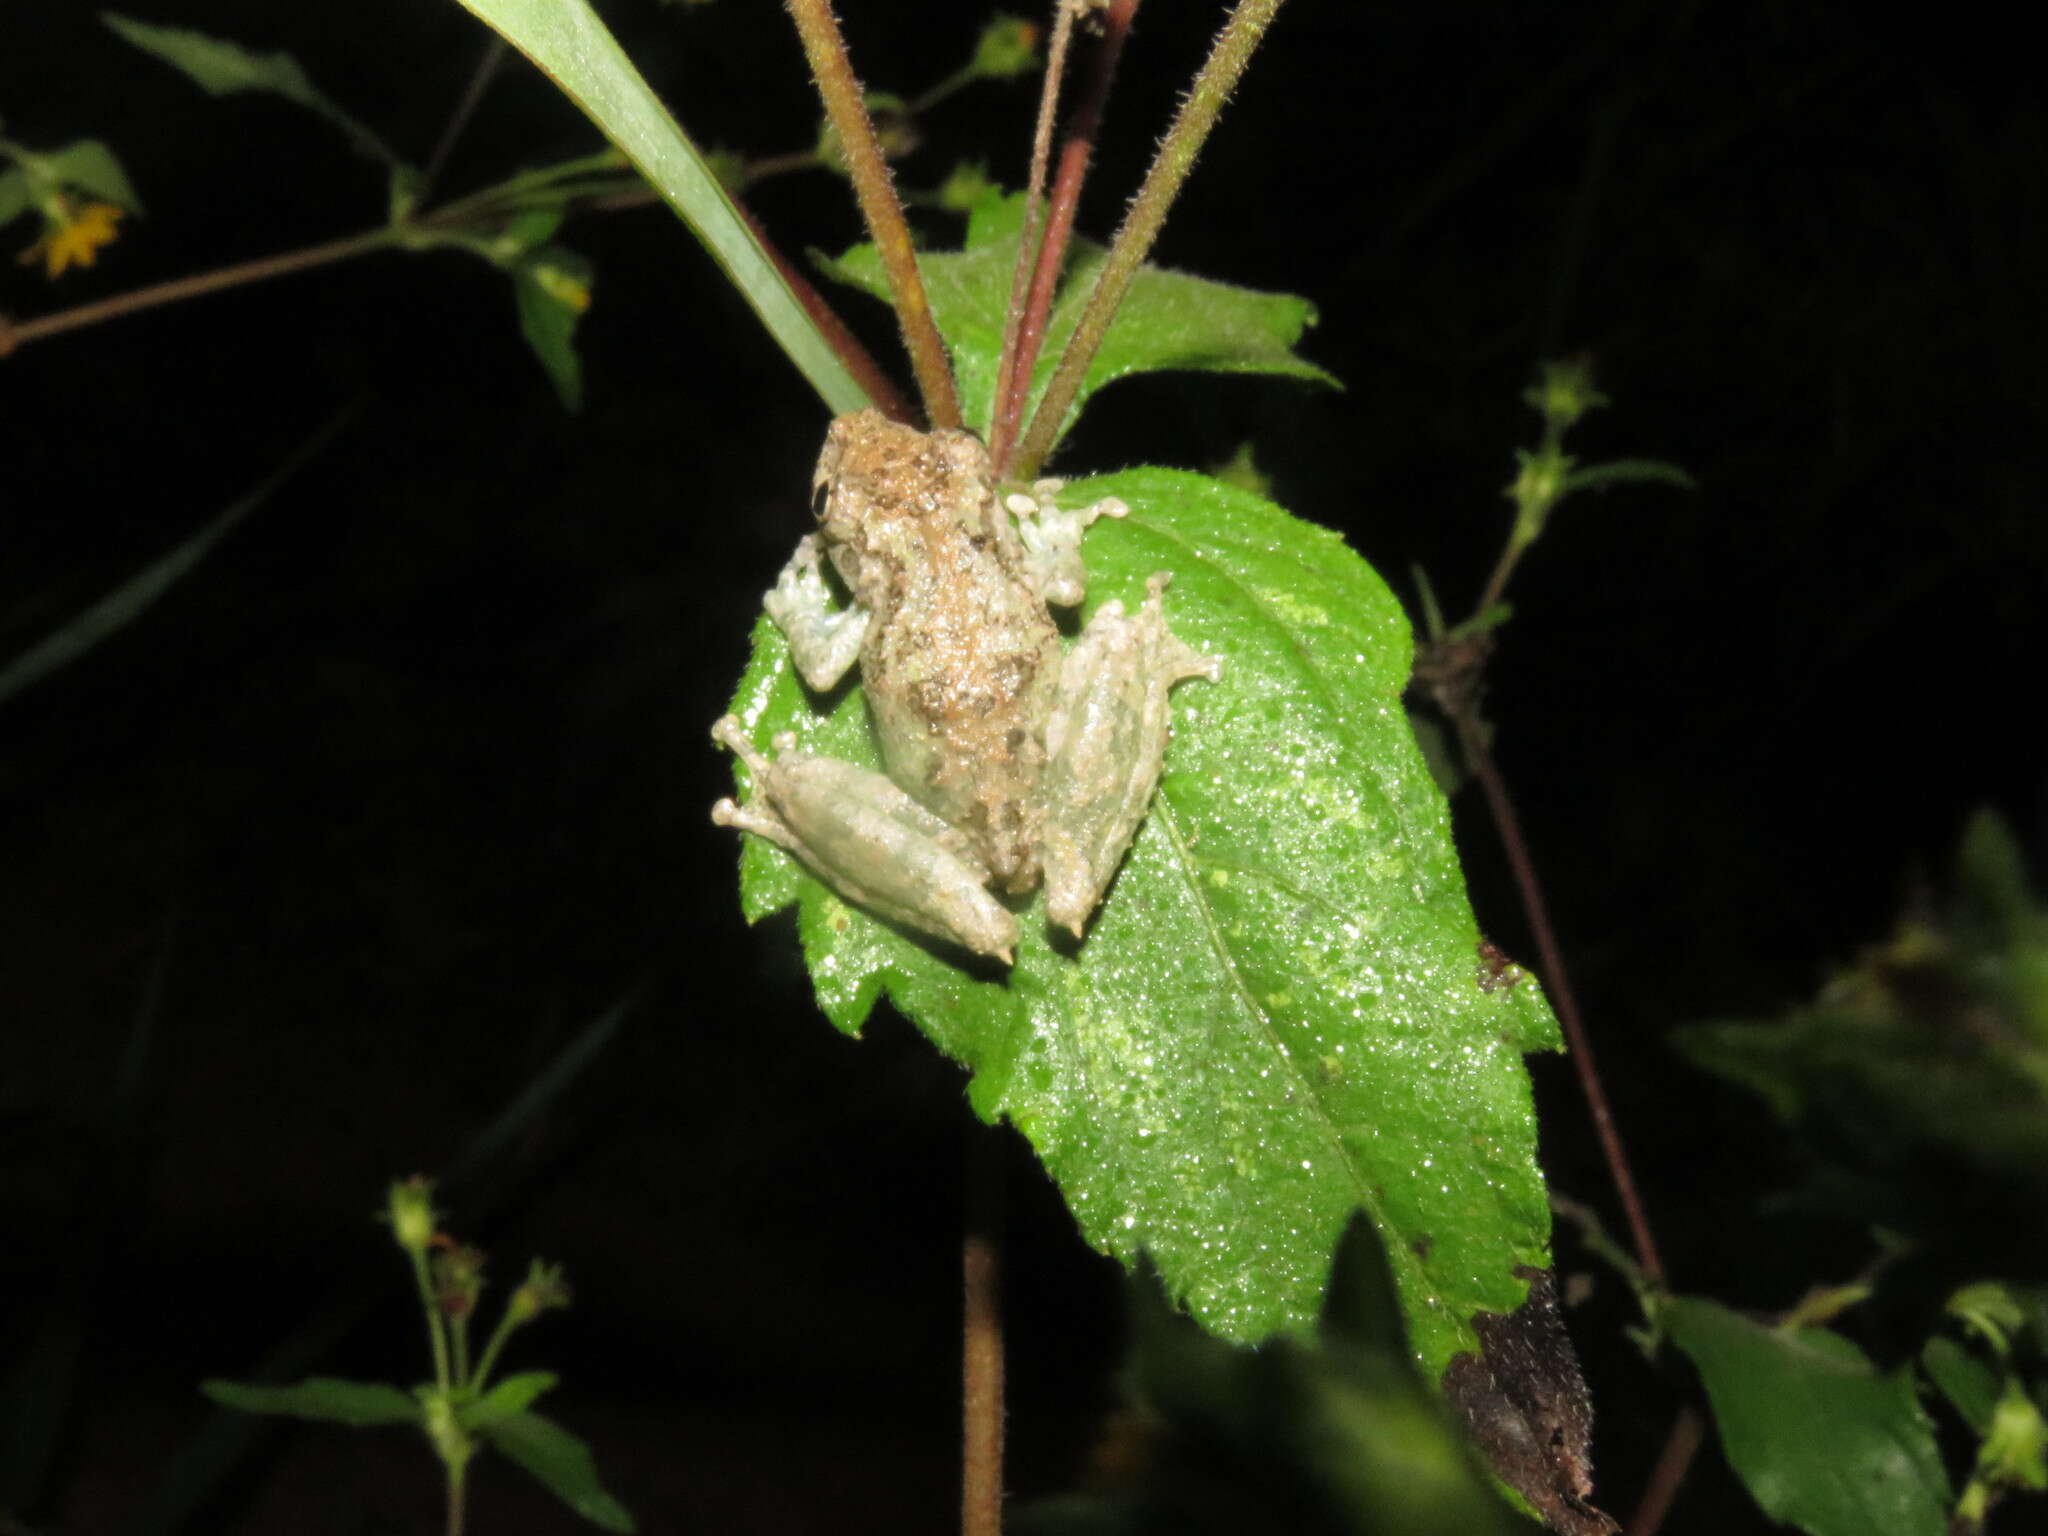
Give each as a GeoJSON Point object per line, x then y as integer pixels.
{"type": "Point", "coordinates": [1008, 760]}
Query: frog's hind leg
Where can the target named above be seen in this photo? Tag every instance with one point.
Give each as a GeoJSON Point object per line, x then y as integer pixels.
{"type": "Point", "coordinates": [1105, 745]}
{"type": "Point", "coordinates": [869, 841]}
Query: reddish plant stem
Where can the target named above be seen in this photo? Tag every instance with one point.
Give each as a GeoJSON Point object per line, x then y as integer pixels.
{"type": "Point", "coordinates": [13, 334]}
{"type": "Point", "coordinates": [1557, 983]}
{"type": "Point", "coordinates": [881, 209]}
{"type": "Point", "coordinates": [981, 1340]}
{"type": "Point", "coordinates": [1687, 1430]}
{"type": "Point", "coordinates": [1077, 150]}
{"type": "Point", "coordinates": [1002, 428]}
{"type": "Point", "coordinates": [860, 362]}
{"type": "Point", "coordinates": [1232, 50]}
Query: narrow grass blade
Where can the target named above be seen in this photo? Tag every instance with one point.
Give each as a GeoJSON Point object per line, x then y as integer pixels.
{"type": "Point", "coordinates": [134, 597]}
{"type": "Point", "coordinates": [567, 42]}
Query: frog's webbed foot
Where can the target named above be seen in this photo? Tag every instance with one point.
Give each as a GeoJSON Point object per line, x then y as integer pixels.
{"type": "Point", "coordinates": [869, 841]}
{"type": "Point", "coordinates": [1105, 745]}
{"type": "Point", "coordinates": [823, 643]}
{"type": "Point", "coordinates": [1052, 539]}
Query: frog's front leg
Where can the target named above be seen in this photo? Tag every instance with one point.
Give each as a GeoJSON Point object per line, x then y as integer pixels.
{"type": "Point", "coordinates": [869, 841]}
{"type": "Point", "coordinates": [1052, 540]}
{"type": "Point", "coordinates": [824, 644]}
{"type": "Point", "coordinates": [1105, 743]}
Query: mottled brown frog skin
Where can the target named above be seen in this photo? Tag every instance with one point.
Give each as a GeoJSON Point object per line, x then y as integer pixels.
{"type": "Point", "coordinates": [961, 661]}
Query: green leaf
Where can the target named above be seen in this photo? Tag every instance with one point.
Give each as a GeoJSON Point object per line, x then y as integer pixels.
{"type": "Point", "coordinates": [515, 1394]}
{"type": "Point", "coordinates": [1169, 320]}
{"type": "Point", "coordinates": [222, 68]}
{"type": "Point", "coordinates": [360, 1403]}
{"type": "Point", "coordinates": [565, 39]}
{"type": "Point", "coordinates": [562, 1463]}
{"type": "Point", "coordinates": [1968, 1383]}
{"type": "Point", "coordinates": [1822, 1438]}
{"type": "Point", "coordinates": [552, 286]}
{"type": "Point", "coordinates": [1278, 1017]}
{"type": "Point", "coordinates": [15, 198]}
{"type": "Point", "coordinates": [90, 167]}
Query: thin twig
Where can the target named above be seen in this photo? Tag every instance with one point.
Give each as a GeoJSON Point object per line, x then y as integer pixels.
{"type": "Point", "coordinates": [1557, 984]}
{"type": "Point", "coordinates": [1076, 152]}
{"type": "Point", "coordinates": [13, 334]}
{"type": "Point", "coordinates": [846, 106]}
{"type": "Point", "coordinates": [981, 1340]}
{"type": "Point", "coordinates": [487, 66]}
{"type": "Point", "coordinates": [1680, 1446]}
{"type": "Point", "coordinates": [1219, 75]}
{"type": "Point", "coordinates": [1003, 425]}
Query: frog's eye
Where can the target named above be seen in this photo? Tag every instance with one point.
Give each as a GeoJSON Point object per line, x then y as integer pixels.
{"type": "Point", "coordinates": [821, 496]}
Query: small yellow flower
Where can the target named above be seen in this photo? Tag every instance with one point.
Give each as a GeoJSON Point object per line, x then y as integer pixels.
{"type": "Point", "coordinates": [72, 235]}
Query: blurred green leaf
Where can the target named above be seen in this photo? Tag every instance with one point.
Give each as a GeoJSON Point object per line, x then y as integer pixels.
{"type": "Point", "coordinates": [1169, 321]}
{"type": "Point", "coordinates": [1821, 1438]}
{"type": "Point", "coordinates": [1629, 472]}
{"type": "Point", "coordinates": [1936, 1039]}
{"type": "Point", "coordinates": [90, 167]}
{"type": "Point", "coordinates": [552, 286]}
{"type": "Point", "coordinates": [565, 39]}
{"type": "Point", "coordinates": [1968, 1383]}
{"type": "Point", "coordinates": [2015, 1450]}
{"type": "Point", "coordinates": [515, 1394]}
{"type": "Point", "coordinates": [360, 1403]}
{"type": "Point", "coordinates": [1278, 1018]}
{"type": "Point", "coordinates": [134, 597]}
{"type": "Point", "coordinates": [15, 198]}
{"type": "Point", "coordinates": [561, 1463]}
{"type": "Point", "coordinates": [222, 68]}
{"type": "Point", "coordinates": [1326, 1435]}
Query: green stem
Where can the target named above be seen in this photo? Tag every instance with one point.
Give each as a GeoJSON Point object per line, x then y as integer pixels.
{"type": "Point", "coordinates": [458, 1477]}
{"type": "Point", "coordinates": [846, 106]}
{"type": "Point", "coordinates": [476, 1378]}
{"type": "Point", "coordinates": [1220, 73]}
{"type": "Point", "coordinates": [526, 181]}
{"type": "Point", "coordinates": [458, 1332]}
{"type": "Point", "coordinates": [437, 1339]}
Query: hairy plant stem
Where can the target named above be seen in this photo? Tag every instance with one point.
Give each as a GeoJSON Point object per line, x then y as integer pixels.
{"type": "Point", "coordinates": [1024, 338]}
{"type": "Point", "coordinates": [1003, 423]}
{"type": "Point", "coordinates": [1219, 75]}
{"type": "Point", "coordinates": [981, 1339]}
{"type": "Point", "coordinates": [846, 107]}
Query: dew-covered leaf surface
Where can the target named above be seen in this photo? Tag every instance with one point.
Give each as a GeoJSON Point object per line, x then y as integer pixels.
{"type": "Point", "coordinates": [1278, 1015]}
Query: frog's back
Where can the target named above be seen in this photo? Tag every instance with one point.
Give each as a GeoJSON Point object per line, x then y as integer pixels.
{"type": "Point", "coordinates": [961, 661]}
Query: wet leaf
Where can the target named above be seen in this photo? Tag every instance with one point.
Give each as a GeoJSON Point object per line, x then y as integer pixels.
{"type": "Point", "coordinates": [1277, 1018]}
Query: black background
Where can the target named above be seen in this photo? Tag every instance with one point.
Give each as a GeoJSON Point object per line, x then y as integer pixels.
{"type": "Point", "coordinates": [410, 780]}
